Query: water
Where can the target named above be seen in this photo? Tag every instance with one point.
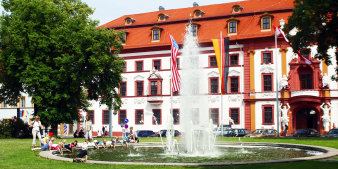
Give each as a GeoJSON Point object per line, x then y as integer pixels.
{"type": "Point", "coordinates": [198, 137]}
{"type": "Point", "coordinates": [226, 153]}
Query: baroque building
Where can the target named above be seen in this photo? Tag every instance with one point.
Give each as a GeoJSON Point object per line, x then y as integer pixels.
{"type": "Point", "coordinates": [251, 99]}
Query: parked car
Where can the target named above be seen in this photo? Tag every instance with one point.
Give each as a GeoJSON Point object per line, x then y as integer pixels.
{"type": "Point", "coordinates": [332, 133]}
{"type": "Point", "coordinates": [218, 130]}
{"type": "Point", "coordinates": [236, 132]}
{"type": "Point", "coordinates": [163, 133]}
{"type": "Point", "coordinates": [305, 133]}
{"type": "Point", "coordinates": [263, 133]}
{"type": "Point", "coordinates": [144, 133]}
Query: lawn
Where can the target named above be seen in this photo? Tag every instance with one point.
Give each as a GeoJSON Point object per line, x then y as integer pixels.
{"type": "Point", "coordinates": [16, 153]}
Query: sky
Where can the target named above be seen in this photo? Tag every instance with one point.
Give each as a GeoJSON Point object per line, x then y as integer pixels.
{"type": "Point", "coordinates": [108, 10]}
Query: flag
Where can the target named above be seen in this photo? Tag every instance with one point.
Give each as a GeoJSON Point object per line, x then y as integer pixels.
{"type": "Point", "coordinates": [221, 47]}
{"type": "Point", "coordinates": [306, 60]}
{"type": "Point", "coordinates": [65, 131]}
{"type": "Point", "coordinates": [278, 32]}
{"type": "Point", "coordinates": [175, 76]}
{"type": "Point", "coordinates": [22, 113]}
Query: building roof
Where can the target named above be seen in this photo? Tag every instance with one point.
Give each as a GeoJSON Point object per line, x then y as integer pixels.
{"type": "Point", "coordinates": [210, 24]}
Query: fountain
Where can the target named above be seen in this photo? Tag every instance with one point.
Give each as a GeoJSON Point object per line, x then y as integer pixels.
{"type": "Point", "coordinates": [198, 141]}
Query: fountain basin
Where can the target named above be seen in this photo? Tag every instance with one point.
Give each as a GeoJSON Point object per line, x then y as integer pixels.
{"type": "Point", "coordinates": [229, 154]}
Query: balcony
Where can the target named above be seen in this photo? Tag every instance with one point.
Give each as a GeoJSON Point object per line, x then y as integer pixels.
{"type": "Point", "coordinates": [155, 99]}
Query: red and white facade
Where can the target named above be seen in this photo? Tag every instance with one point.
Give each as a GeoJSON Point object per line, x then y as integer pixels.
{"type": "Point", "coordinates": [251, 100]}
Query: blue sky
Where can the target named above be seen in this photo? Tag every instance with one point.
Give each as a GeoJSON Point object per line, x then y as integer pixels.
{"type": "Point", "coordinates": [108, 10]}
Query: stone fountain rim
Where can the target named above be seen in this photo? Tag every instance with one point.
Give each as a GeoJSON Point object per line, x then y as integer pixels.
{"type": "Point", "coordinates": [328, 152]}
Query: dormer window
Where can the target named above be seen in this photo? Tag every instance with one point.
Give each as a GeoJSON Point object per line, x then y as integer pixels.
{"type": "Point", "coordinates": [194, 29]}
{"type": "Point", "coordinates": [236, 9]}
{"type": "Point", "coordinates": [156, 33]}
{"type": "Point", "coordinates": [266, 21]}
{"type": "Point", "coordinates": [232, 26]}
{"type": "Point", "coordinates": [129, 21]}
{"type": "Point", "coordinates": [198, 13]}
{"type": "Point", "coordinates": [123, 38]}
{"type": "Point", "coordinates": [162, 17]}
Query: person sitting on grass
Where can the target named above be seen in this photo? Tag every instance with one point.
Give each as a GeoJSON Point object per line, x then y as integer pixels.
{"type": "Point", "coordinates": [46, 147]}
{"type": "Point", "coordinates": [96, 144]}
{"type": "Point", "coordinates": [69, 147]}
{"type": "Point", "coordinates": [82, 156]}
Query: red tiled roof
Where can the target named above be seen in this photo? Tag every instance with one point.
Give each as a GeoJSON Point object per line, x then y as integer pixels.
{"type": "Point", "coordinates": [212, 22]}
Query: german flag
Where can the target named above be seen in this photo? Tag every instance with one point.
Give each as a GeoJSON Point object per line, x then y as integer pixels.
{"type": "Point", "coordinates": [221, 47]}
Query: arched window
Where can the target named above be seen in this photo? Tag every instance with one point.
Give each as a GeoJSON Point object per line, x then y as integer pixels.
{"type": "Point", "coordinates": [198, 13]}
{"type": "Point", "coordinates": [156, 33]}
{"type": "Point", "coordinates": [162, 17]}
{"type": "Point", "coordinates": [266, 20]}
{"type": "Point", "coordinates": [236, 9]}
{"type": "Point", "coordinates": [232, 26]}
{"type": "Point", "coordinates": [129, 21]}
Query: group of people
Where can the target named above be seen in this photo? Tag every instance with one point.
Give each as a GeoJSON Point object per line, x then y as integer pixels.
{"type": "Point", "coordinates": [48, 143]}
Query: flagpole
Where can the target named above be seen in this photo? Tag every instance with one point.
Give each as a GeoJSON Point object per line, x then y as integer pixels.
{"type": "Point", "coordinates": [276, 77]}
{"type": "Point", "coordinates": [221, 88]}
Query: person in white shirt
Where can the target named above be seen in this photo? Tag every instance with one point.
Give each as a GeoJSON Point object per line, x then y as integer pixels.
{"type": "Point", "coordinates": [36, 130]}
{"type": "Point", "coordinates": [88, 128]}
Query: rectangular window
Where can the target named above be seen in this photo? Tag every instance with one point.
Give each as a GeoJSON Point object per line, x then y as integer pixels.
{"type": "Point", "coordinates": [232, 27]}
{"type": "Point", "coordinates": [213, 85]}
{"type": "Point", "coordinates": [90, 113]}
{"type": "Point", "coordinates": [105, 116]}
{"type": "Point", "coordinates": [139, 66]}
{"type": "Point", "coordinates": [124, 67]}
{"type": "Point", "coordinates": [22, 102]}
{"type": "Point", "coordinates": [267, 57]}
{"type": "Point", "coordinates": [306, 81]}
{"type": "Point", "coordinates": [212, 61]}
{"type": "Point", "coordinates": [234, 84]}
{"type": "Point", "coordinates": [157, 116]}
{"type": "Point", "coordinates": [214, 116]}
{"type": "Point", "coordinates": [122, 116]}
{"type": "Point", "coordinates": [153, 87]}
{"type": "Point", "coordinates": [233, 60]}
{"type": "Point", "coordinates": [268, 115]}
{"type": "Point", "coordinates": [139, 117]}
{"type": "Point", "coordinates": [267, 82]}
{"type": "Point", "coordinates": [176, 116]}
{"type": "Point", "coordinates": [156, 34]}
{"type": "Point", "coordinates": [123, 88]}
{"type": "Point", "coordinates": [139, 88]}
{"type": "Point", "coordinates": [266, 23]}
{"type": "Point", "coordinates": [195, 116]}
{"type": "Point", "coordinates": [234, 114]}
{"type": "Point", "coordinates": [157, 64]}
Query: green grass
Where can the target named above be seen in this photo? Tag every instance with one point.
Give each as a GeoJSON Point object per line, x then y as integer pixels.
{"type": "Point", "coordinates": [16, 153]}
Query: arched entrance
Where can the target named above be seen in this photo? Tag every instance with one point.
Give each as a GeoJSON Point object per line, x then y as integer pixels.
{"type": "Point", "coordinates": [305, 113]}
{"type": "Point", "coordinates": [307, 118]}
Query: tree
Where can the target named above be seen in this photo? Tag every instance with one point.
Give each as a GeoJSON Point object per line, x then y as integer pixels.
{"type": "Point", "coordinates": [55, 53]}
{"type": "Point", "coordinates": [316, 22]}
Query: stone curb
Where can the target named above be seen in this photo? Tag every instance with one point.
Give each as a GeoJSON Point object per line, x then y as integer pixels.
{"type": "Point", "coordinates": [328, 152]}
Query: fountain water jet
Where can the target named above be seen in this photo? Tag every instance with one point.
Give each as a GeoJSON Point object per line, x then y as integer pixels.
{"type": "Point", "coordinates": [198, 137]}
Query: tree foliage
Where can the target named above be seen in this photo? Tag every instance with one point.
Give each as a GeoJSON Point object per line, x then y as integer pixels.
{"type": "Point", "coordinates": [55, 53]}
{"type": "Point", "coordinates": [316, 22]}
